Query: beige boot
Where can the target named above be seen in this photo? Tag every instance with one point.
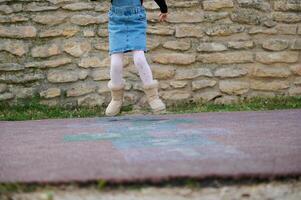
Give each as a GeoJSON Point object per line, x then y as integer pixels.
{"type": "Point", "coordinates": [151, 91]}
{"type": "Point", "coordinates": [117, 98]}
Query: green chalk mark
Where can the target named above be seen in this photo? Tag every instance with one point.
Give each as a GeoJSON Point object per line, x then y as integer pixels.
{"type": "Point", "coordinates": [91, 137]}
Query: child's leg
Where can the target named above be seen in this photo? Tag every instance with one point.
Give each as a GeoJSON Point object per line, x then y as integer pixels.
{"type": "Point", "coordinates": [116, 71]}
{"type": "Point", "coordinates": [143, 68]}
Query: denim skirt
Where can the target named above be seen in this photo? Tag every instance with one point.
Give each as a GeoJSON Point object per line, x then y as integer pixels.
{"type": "Point", "coordinates": [127, 29]}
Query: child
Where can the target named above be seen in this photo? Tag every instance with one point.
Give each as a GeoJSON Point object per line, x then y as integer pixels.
{"type": "Point", "coordinates": [127, 32]}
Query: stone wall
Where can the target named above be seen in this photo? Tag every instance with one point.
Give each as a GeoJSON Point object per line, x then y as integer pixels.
{"type": "Point", "coordinates": [211, 50]}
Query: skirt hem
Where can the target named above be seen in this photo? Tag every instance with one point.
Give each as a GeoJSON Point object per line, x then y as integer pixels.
{"type": "Point", "coordinates": [128, 50]}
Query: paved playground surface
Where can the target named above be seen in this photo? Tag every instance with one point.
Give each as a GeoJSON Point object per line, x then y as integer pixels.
{"type": "Point", "coordinates": [152, 147]}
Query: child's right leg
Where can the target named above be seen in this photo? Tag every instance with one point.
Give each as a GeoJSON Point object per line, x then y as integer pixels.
{"type": "Point", "coordinates": [116, 84]}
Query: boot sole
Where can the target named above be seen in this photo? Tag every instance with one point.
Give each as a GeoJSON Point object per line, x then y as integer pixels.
{"type": "Point", "coordinates": [159, 110]}
{"type": "Point", "coordinates": [112, 114]}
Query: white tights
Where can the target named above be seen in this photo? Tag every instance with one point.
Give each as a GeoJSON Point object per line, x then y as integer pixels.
{"type": "Point", "coordinates": [116, 71]}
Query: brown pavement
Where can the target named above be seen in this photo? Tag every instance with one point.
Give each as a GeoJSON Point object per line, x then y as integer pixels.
{"type": "Point", "coordinates": [152, 147]}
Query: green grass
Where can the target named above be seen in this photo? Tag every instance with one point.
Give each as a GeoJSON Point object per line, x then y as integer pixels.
{"type": "Point", "coordinates": [101, 185]}
{"type": "Point", "coordinates": [253, 104]}
{"type": "Point", "coordinates": [31, 109]}
{"type": "Point", "coordinates": [16, 187]}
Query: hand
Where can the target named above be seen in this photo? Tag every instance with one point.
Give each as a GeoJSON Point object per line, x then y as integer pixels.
{"type": "Point", "coordinates": [162, 17]}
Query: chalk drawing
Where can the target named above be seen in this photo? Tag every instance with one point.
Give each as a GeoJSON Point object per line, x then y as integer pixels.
{"type": "Point", "coordinates": [134, 136]}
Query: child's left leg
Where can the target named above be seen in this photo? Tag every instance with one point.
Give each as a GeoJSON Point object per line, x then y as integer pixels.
{"type": "Point", "coordinates": [150, 86]}
{"type": "Point", "coordinates": [143, 67]}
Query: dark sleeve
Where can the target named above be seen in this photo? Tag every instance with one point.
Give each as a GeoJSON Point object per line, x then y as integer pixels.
{"type": "Point", "coordinates": [162, 5]}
